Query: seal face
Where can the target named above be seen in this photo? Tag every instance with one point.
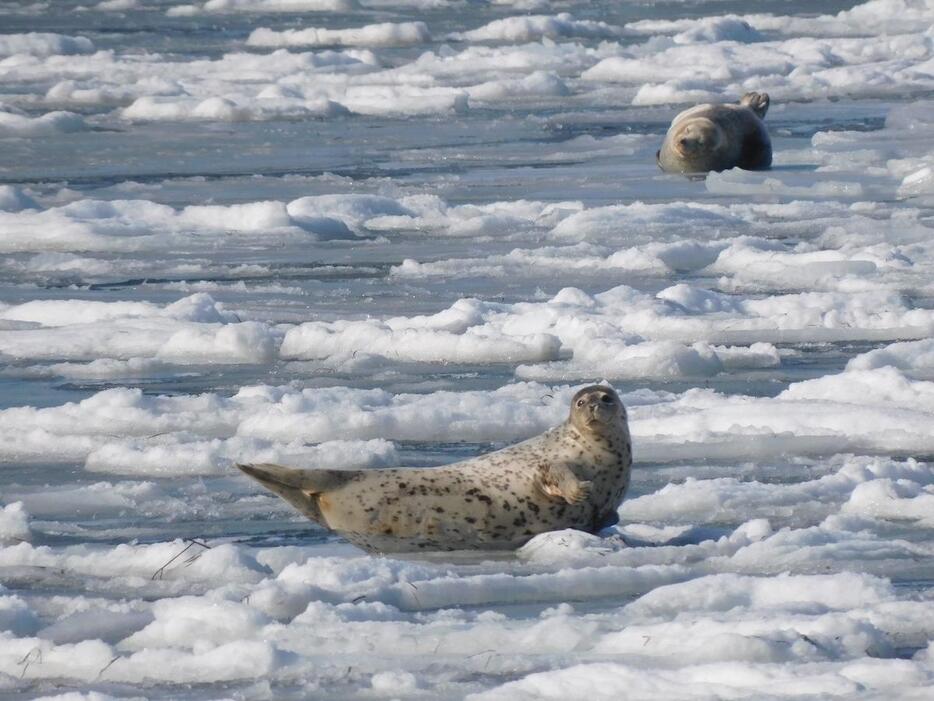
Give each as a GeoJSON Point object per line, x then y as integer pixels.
{"type": "Point", "coordinates": [572, 476]}
{"type": "Point", "coordinates": [718, 137]}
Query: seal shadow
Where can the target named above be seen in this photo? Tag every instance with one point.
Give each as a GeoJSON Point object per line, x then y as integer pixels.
{"type": "Point", "coordinates": [793, 168]}
{"type": "Point", "coordinates": [692, 536]}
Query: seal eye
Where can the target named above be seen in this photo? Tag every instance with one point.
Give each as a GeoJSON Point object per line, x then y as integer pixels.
{"type": "Point", "coordinates": [606, 399]}
{"type": "Point", "coordinates": [580, 402]}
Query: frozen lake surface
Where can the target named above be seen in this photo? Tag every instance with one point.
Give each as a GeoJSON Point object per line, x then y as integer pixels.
{"type": "Point", "coordinates": [369, 233]}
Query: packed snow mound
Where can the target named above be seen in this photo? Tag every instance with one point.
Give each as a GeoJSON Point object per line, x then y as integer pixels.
{"type": "Point", "coordinates": [382, 34]}
{"type": "Point", "coordinates": [42, 44]}
{"type": "Point", "coordinates": [261, 6]}
{"type": "Point", "coordinates": [59, 122]}
{"type": "Point", "coordinates": [536, 27]}
{"type": "Point", "coordinates": [14, 523]}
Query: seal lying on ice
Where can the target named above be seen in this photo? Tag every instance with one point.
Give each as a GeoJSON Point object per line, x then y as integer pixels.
{"type": "Point", "coordinates": [572, 476]}
{"type": "Point", "coordinates": [718, 137]}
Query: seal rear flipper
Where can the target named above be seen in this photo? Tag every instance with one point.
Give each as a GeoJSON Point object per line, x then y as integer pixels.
{"type": "Point", "coordinates": [301, 488]}
{"type": "Point", "coordinates": [758, 102]}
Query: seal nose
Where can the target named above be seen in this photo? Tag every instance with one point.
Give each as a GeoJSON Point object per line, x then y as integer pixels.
{"type": "Point", "coordinates": [686, 144]}
{"type": "Point", "coordinates": [596, 410]}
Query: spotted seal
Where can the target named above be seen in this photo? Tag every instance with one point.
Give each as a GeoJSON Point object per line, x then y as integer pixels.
{"type": "Point", "coordinates": [572, 476]}
{"type": "Point", "coordinates": [718, 137]}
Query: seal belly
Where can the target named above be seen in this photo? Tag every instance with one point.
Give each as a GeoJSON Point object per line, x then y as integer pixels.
{"type": "Point", "coordinates": [405, 511]}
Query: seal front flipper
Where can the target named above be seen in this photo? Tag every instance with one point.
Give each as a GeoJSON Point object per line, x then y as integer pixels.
{"type": "Point", "coordinates": [301, 488]}
{"type": "Point", "coordinates": [559, 482]}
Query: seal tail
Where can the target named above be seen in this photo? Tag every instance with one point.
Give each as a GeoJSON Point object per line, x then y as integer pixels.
{"type": "Point", "coordinates": [301, 488]}
{"type": "Point", "coordinates": [758, 102]}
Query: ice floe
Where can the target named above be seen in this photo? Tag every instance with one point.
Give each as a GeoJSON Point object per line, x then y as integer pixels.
{"type": "Point", "coordinates": [373, 233]}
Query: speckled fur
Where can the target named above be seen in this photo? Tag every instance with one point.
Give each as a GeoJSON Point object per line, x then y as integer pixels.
{"type": "Point", "coordinates": [573, 476]}
{"type": "Point", "coordinates": [735, 137]}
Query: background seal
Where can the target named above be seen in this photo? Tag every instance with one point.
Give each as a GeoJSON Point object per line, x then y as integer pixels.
{"type": "Point", "coordinates": [718, 137]}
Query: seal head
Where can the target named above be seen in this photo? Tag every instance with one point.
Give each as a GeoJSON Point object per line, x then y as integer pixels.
{"type": "Point", "coordinates": [699, 138]}
{"type": "Point", "coordinates": [597, 410]}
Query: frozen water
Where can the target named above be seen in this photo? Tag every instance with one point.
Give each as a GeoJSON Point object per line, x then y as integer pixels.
{"type": "Point", "coordinates": [369, 233]}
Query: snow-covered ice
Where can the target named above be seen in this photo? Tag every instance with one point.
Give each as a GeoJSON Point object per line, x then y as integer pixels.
{"type": "Point", "coordinates": [372, 233]}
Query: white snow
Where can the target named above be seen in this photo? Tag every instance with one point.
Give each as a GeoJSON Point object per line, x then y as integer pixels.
{"type": "Point", "coordinates": [724, 58]}
{"type": "Point", "coordinates": [383, 34]}
{"type": "Point", "coordinates": [42, 44]}
{"type": "Point", "coordinates": [355, 234]}
{"type": "Point", "coordinates": [13, 199]}
{"type": "Point", "coordinates": [12, 124]}
{"type": "Point", "coordinates": [14, 522]}
{"type": "Point", "coordinates": [874, 50]}
{"type": "Point", "coordinates": [117, 5]}
{"type": "Point", "coordinates": [95, 225]}
{"type": "Point", "coordinates": [534, 27]}
{"type": "Point", "coordinates": [192, 330]}
{"type": "Point", "coordinates": [256, 6]}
